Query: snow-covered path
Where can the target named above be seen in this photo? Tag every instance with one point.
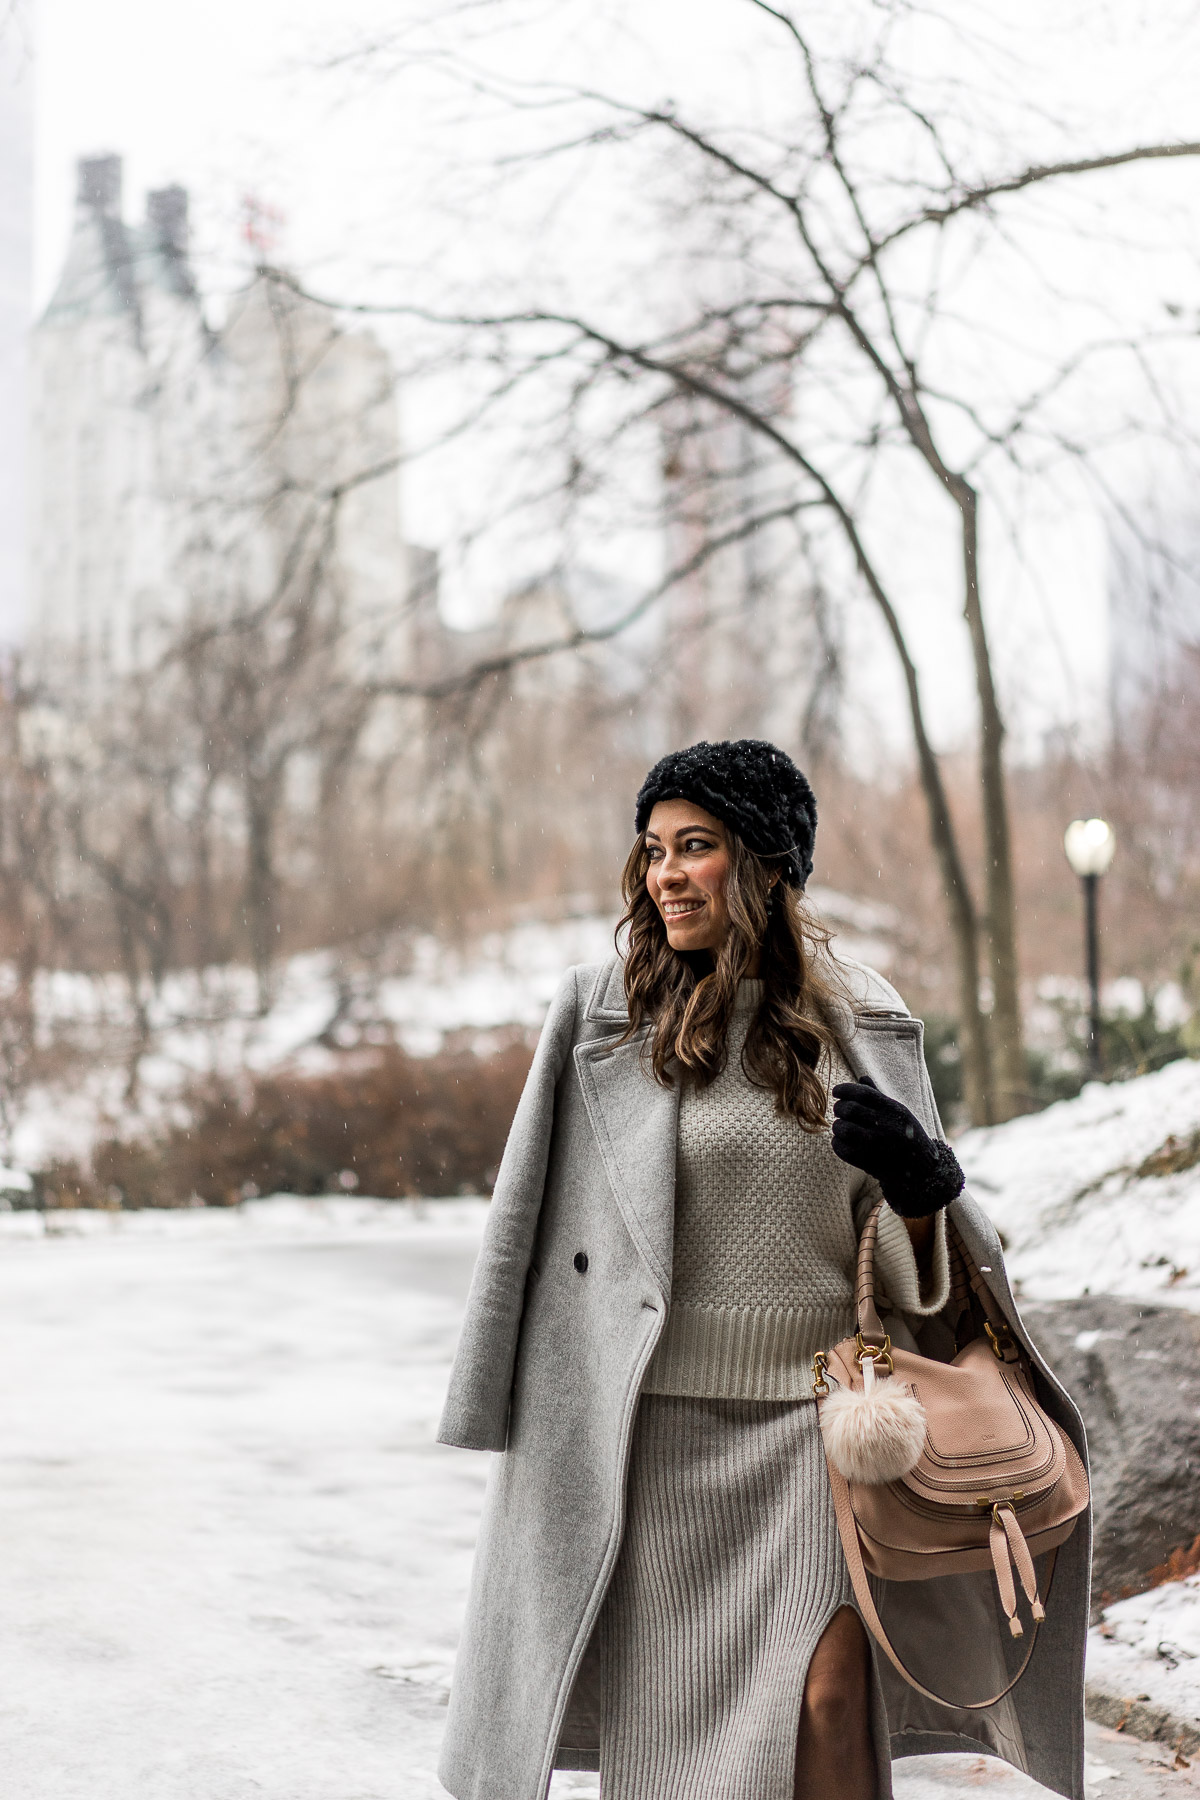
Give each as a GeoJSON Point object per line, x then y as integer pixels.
{"type": "Point", "coordinates": [233, 1561]}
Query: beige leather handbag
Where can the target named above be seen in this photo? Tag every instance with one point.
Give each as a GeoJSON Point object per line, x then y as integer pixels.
{"type": "Point", "coordinates": [943, 1468]}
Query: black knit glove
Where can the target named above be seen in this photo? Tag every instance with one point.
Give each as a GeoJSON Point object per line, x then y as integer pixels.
{"type": "Point", "coordinates": [918, 1174]}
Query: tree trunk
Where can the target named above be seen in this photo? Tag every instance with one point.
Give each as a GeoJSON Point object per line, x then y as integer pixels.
{"type": "Point", "coordinates": [1007, 1037]}
{"type": "Point", "coordinates": [973, 1040]}
{"type": "Point", "coordinates": [260, 889]}
{"type": "Point", "coordinates": [204, 933]}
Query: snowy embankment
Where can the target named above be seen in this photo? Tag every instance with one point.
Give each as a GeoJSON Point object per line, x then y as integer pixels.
{"type": "Point", "coordinates": [1144, 1665]}
{"type": "Point", "coordinates": [1101, 1195]}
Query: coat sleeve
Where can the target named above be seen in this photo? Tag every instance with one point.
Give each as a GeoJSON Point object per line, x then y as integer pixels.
{"type": "Point", "coordinates": [475, 1416]}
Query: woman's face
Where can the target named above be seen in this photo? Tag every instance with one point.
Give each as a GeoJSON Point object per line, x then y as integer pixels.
{"type": "Point", "coordinates": [689, 866]}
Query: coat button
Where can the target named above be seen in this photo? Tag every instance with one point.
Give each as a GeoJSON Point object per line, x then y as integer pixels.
{"type": "Point", "coordinates": [581, 1262]}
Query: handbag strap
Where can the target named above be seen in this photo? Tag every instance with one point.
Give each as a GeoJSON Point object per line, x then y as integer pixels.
{"type": "Point", "coordinates": [848, 1530]}
{"type": "Point", "coordinates": [870, 1326]}
{"type": "Point", "coordinates": [959, 1305]}
{"type": "Point", "coordinates": [992, 1311]}
{"type": "Point", "coordinates": [965, 1280]}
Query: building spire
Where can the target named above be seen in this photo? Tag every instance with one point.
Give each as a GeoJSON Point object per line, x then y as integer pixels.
{"type": "Point", "coordinates": [99, 180]}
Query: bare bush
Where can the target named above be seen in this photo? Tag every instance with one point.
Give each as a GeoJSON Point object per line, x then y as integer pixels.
{"type": "Point", "coordinates": [386, 1124]}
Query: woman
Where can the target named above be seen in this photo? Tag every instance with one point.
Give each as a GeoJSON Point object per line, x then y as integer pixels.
{"type": "Point", "coordinates": [659, 1589]}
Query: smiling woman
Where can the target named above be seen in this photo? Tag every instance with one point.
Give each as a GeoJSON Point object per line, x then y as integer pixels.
{"type": "Point", "coordinates": [699, 902]}
{"type": "Point", "coordinates": [710, 1122]}
{"type": "Point", "coordinates": [687, 856]}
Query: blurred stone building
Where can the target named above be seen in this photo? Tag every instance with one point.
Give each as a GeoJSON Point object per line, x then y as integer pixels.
{"type": "Point", "coordinates": [16, 288]}
{"type": "Point", "coordinates": [183, 472]}
{"type": "Point", "coordinates": [1153, 608]}
{"type": "Point", "coordinates": [754, 651]}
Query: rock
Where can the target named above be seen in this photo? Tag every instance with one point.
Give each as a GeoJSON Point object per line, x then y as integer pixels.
{"type": "Point", "coordinates": [1133, 1370]}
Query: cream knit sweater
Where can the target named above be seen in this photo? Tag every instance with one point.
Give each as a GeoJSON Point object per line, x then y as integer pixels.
{"type": "Point", "coordinates": [766, 1236]}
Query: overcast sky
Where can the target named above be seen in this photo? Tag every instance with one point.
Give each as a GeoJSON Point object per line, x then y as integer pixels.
{"type": "Point", "coordinates": [222, 97]}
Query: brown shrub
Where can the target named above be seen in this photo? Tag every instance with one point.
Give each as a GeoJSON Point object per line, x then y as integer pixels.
{"type": "Point", "coordinates": [1181, 1563]}
{"type": "Point", "coordinates": [387, 1125]}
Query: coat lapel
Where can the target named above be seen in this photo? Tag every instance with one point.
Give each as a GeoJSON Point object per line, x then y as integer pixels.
{"type": "Point", "coordinates": [635, 1122]}
{"type": "Point", "coordinates": [890, 1049]}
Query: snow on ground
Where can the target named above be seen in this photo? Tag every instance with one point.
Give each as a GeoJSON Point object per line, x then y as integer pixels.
{"type": "Point", "coordinates": [1069, 1191]}
{"type": "Point", "coordinates": [282, 1217]}
{"type": "Point", "coordinates": [234, 1558]}
{"type": "Point", "coordinates": [1149, 1647]}
{"type": "Point", "coordinates": [235, 1561]}
{"type": "Point", "coordinates": [1073, 1193]}
{"type": "Point", "coordinates": [503, 978]}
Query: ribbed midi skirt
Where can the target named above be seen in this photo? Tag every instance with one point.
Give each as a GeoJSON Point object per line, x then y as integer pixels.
{"type": "Point", "coordinates": [729, 1571]}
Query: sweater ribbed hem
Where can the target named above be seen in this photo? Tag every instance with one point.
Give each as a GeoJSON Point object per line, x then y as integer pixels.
{"type": "Point", "coordinates": [744, 1352]}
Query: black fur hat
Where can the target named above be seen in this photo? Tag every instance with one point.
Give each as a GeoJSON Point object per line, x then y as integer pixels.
{"type": "Point", "coordinates": [750, 785]}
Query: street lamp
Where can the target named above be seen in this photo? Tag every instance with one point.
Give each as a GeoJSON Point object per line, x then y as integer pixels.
{"type": "Point", "coordinates": [1089, 844]}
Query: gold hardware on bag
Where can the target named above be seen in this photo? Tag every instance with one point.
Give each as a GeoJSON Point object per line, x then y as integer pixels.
{"type": "Point", "coordinates": [876, 1354]}
{"type": "Point", "coordinates": [1000, 1342]}
{"type": "Point", "coordinates": [820, 1365]}
{"type": "Point", "coordinates": [1013, 1500]}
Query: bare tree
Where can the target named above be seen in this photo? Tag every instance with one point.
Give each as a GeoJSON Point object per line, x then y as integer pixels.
{"type": "Point", "coordinates": [194, 793]}
{"type": "Point", "coordinates": [817, 261]}
{"type": "Point", "coordinates": [35, 891]}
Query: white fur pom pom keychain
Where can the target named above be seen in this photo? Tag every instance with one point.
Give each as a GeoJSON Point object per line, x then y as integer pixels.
{"type": "Point", "coordinates": [876, 1433]}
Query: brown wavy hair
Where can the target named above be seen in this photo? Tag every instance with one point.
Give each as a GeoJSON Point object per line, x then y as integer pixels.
{"type": "Point", "coordinates": [689, 1006]}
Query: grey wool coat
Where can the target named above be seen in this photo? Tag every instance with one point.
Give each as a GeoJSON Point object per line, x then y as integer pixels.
{"type": "Point", "coordinates": [569, 1298]}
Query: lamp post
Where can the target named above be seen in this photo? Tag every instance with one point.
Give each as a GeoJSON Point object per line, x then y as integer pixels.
{"type": "Point", "coordinates": [1089, 844]}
